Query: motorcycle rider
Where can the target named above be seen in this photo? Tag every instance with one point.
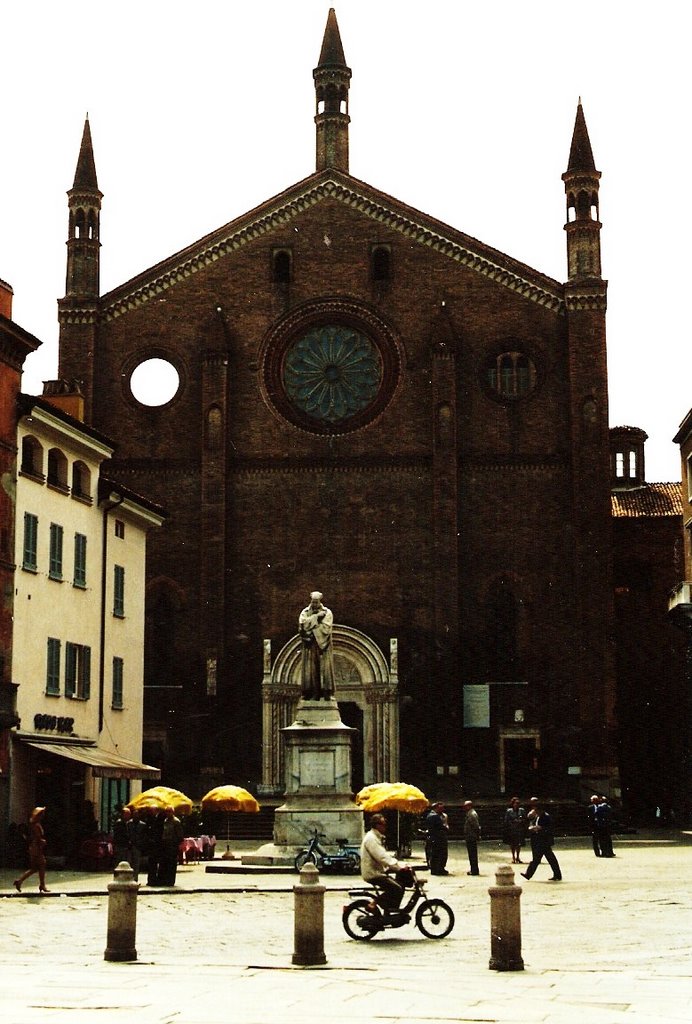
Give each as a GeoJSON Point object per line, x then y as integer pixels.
{"type": "Point", "coordinates": [376, 864]}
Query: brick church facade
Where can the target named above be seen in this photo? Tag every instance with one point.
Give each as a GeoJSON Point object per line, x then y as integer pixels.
{"type": "Point", "coordinates": [375, 405]}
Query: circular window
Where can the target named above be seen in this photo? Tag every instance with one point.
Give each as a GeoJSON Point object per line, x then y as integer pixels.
{"type": "Point", "coordinates": [330, 367]}
{"type": "Point", "coordinates": [332, 372]}
{"type": "Point", "coordinates": [510, 375]}
{"type": "Point", "coordinates": [154, 382]}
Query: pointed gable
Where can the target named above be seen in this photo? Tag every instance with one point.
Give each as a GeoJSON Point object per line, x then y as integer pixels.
{"type": "Point", "coordinates": [368, 201]}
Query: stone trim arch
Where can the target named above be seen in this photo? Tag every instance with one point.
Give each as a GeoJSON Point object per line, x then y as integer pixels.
{"type": "Point", "coordinates": [363, 677]}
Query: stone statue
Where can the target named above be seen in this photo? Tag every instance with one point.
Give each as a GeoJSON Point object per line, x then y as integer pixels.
{"type": "Point", "coordinates": [317, 663]}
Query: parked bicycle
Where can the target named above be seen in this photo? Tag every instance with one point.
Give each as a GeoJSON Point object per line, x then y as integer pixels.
{"type": "Point", "coordinates": [365, 917]}
{"type": "Point", "coordinates": [344, 858]}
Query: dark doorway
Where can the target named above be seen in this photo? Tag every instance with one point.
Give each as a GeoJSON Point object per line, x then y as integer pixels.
{"type": "Point", "coordinates": [352, 716]}
{"type": "Point", "coordinates": [520, 766]}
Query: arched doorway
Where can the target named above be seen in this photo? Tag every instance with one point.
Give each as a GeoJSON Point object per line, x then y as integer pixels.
{"type": "Point", "coordinates": [367, 690]}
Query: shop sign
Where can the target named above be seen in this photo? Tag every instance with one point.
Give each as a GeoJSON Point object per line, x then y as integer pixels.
{"type": "Point", "coordinates": [53, 723]}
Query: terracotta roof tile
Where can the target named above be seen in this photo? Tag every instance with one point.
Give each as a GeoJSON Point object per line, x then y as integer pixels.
{"type": "Point", "coordinates": [663, 499]}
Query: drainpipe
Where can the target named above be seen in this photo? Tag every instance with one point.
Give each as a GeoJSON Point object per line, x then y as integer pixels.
{"type": "Point", "coordinates": [104, 582]}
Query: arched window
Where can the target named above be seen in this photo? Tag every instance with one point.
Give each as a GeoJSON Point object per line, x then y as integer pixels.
{"type": "Point", "coordinates": [381, 264]}
{"type": "Point", "coordinates": [214, 429]}
{"type": "Point", "coordinates": [510, 375]}
{"type": "Point", "coordinates": [32, 457]}
{"type": "Point", "coordinates": [281, 266]}
{"type": "Point", "coordinates": [57, 468]}
{"type": "Point", "coordinates": [81, 480]}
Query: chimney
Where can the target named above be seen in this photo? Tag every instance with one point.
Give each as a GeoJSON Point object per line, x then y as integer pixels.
{"type": "Point", "coordinates": [6, 294]}
{"type": "Point", "coordinates": [65, 395]}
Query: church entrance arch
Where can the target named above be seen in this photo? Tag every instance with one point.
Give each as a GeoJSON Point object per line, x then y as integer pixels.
{"type": "Point", "coordinates": [364, 679]}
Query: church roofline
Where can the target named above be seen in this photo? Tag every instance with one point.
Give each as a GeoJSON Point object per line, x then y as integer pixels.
{"type": "Point", "coordinates": [331, 184]}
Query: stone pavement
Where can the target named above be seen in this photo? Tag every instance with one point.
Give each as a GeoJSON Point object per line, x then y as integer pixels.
{"type": "Point", "coordinates": [611, 944]}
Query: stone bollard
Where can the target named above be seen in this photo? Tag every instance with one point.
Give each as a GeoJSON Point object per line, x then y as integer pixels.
{"type": "Point", "coordinates": [122, 914]}
{"type": "Point", "coordinates": [505, 922]}
{"type": "Point", "coordinates": [309, 918]}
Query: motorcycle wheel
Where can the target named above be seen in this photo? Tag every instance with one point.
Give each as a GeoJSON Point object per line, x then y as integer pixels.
{"type": "Point", "coordinates": [435, 919]}
{"type": "Point", "coordinates": [305, 858]}
{"type": "Point", "coordinates": [359, 922]}
{"type": "Point", "coordinates": [353, 864]}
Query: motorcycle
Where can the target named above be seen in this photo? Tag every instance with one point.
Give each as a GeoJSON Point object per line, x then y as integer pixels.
{"type": "Point", "coordinates": [345, 858]}
{"type": "Point", "coordinates": [363, 918]}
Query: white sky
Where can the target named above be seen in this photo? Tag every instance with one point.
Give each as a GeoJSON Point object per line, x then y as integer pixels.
{"type": "Point", "coordinates": [461, 108]}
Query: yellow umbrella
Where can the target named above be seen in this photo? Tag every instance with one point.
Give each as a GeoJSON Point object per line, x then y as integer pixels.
{"type": "Point", "coordinates": [392, 796]}
{"type": "Point", "coordinates": [229, 799]}
{"type": "Point", "coordinates": [160, 797]}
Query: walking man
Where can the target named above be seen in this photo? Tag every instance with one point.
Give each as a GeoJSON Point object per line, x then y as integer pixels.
{"type": "Point", "coordinates": [472, 835]}
{"type": "Point", "coordinates": [543, 837]}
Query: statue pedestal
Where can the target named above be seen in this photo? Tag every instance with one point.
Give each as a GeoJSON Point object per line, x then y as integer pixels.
{"type": "Point", "coordinates": [318, 784]}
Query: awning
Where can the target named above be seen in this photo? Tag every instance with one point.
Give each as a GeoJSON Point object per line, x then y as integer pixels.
{"type": "Point", "coordinates": [103, 764]}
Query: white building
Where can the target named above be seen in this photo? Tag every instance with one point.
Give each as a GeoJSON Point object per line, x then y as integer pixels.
{"type": "Point", "coordinates": [78, 637]}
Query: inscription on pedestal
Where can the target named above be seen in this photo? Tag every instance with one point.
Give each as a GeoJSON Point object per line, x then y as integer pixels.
{"type": "Point", "coordinates": [317, 769]}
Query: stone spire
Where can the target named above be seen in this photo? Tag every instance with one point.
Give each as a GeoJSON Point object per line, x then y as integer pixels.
{"type": "Point", "coordinates": [332, 78]}
{"type": "Point", "coordinates": [583, 226]}
{"type": "Point", "coordinates": [83, 243]}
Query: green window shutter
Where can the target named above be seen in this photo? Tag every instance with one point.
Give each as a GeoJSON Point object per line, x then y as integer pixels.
{"type": "Point", "coordinates": [80, 548]}
{"type": "Point", "coordinates": [53, 666]}
{"type": "Point", "coordinates": [117, 699]}
{"type": "Point", "coordinates": [70, 669]}
{"type": "Point", "coordinates": [55, 559]}
{"type": "Point", "coordinates": [86, 673]}
{"type": "Point", "coordinates": [29, 554]}
{"type": "Point", "coordinates": [118, 591]}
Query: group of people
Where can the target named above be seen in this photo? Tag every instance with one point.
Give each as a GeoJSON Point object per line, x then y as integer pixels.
{"type": "Point", "coordinates": [381, 867]}
{"type": "Point", "coordinates": [154, 833]}
{"type": "Point", "coordinates": [601, 825]}
{"type": "Point", "coordinates": [436, 829]}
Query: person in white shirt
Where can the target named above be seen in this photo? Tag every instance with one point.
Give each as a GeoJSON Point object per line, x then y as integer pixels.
{"type": "Point", "coordinates": [377, 863]}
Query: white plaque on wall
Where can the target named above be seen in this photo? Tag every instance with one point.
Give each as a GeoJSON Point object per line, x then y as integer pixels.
{"type": "Point", "coordinates": [317, 769]}
{"type": "Point", "coordinates": [477, 706]}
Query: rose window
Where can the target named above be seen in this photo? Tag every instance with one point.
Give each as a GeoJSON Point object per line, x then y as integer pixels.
{"type": "Point", "coordinates": [332, 373]}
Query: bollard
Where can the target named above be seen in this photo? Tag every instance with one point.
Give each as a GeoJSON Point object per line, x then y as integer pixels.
{"type": "Point", "coordinates": [309, 918]}
{"type": "Point", "coordinates": [505, 922]}
{"type": "Point", "coordinates": [122, 914]}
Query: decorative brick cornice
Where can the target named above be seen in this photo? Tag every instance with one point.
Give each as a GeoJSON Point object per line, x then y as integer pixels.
{"type": "Point", "coordinates": [344, 467]}
{"type": "Point", "coordinates": [68, 314]}
{"type": "Point", "coordinates": [524, 468]}
{"type": "Point", "coordinates": [278, 212]}
{"type": "Point", "coordinates": [590, 296]}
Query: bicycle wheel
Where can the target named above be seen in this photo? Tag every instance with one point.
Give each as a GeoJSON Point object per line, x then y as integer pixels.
{"type": "Point", "coordinates": [305, 857]}
{"type": "Point", "coordinates": [435, 919]}
{"type": "Point", "coordinates": [359, 921]}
